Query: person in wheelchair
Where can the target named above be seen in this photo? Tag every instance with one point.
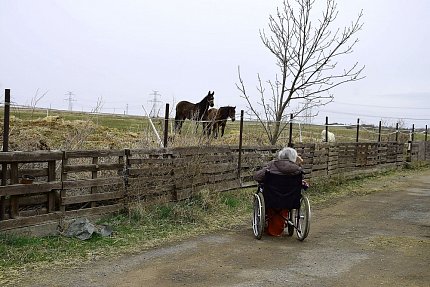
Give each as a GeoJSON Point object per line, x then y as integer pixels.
{"type": "Point", "coordinates": [279, 197]}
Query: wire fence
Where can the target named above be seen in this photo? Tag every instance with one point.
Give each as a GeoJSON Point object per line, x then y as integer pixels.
{"type": "Point", "coordinates": [156, 132]}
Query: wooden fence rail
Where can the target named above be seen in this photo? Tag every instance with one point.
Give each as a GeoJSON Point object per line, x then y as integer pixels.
{"type": "Point", "coordinates": [71, 184]}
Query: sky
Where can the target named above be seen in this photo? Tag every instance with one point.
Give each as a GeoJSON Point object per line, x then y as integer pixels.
{"type": "Point", "coordinates": [113, 55]}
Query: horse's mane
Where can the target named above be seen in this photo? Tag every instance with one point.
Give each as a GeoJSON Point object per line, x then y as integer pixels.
{"type": "Point", "coordinates": [203, 106]}
{"type": "Point", "coordinates": [204, 100]}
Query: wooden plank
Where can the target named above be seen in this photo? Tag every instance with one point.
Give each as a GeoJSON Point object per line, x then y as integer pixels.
{"type": "Point", "coordinates": [32, 199]}
{"type": "Point", "coordinates": [249, 184]}
{"type": "Point", "coordinates": [99, 210]}
{"type": "Point", "coordinates": [201, 150]}
{"type": "Point", "coordinates": [164, 152]}
{"type": "Point", "coordinates": [196, 180]}
{"type": "Point", "coordinates": [222, 177]}
{"type": "Point", "coordinates": [81, 183]}
{"type": "Point", "coordinates": [28, 221]}
{"type": "Point", "coordinates": [93, 167]}
{"type": "Point", "coordinates": [318, 173]}
{"type": "Point", "coordinates": [183, 193]}
{"type": "Point", "coordinates": [34, 172]}
{"type": "Point", "coordinates": [20, 189]}
{"type": "Point", "coordinates": [218, 158]}
{"type": "Point", "coordinates": [33, 212]}
{"type": "Point", "coordinates": [224, 186]}
{"type": "Point", "coordinates": [93, 153]}
{"type": "Point", "coordinates": [92, 197]}
{"type": "Point", "coordinates": [219, 168]}
{"type": "Point", "coordinates": [145, 190]}
{"type": "Point", "coordinates": [33, 156]}
{"type": "Point", "coordinates": [319, 166]}
{"type": "Point", "coordinates": [151, 171]}
{"type": "Point", "coordinates": [150, 161]}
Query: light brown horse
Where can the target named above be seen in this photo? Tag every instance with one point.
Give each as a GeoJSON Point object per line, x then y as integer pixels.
{"type": "Point", "coordinates": [198, 112]}
{"type": "Point", "coordinates": [218, 117]}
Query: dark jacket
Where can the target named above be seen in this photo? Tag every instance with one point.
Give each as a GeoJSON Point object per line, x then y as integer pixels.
{"type": "Point", "coordinates": [278, 166]}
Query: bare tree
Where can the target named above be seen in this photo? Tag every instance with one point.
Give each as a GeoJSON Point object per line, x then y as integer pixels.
{"type": "Point", "coordinates": [35, 99]}
{"type": "Point", "coordinates": [306, 53]}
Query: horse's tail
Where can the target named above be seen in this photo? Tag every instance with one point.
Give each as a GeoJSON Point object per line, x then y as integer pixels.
{"type": "Point", "coordinates": [178, 118]}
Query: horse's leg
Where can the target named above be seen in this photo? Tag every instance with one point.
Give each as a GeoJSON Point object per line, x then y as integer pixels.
{"type": "Point", "coordinates": [178, 124]}
{"type": "Point", "coordinates": [222, 128]}
{"type": "Point", "coordinates": [205, 128]}
{"type": "Point", "coordinates": [208, 127]}
{"type": "Point", "coordinates": [215, 129]}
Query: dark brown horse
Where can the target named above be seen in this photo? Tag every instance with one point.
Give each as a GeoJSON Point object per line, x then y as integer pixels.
{"type": "Point", "coordinates": [218, 117]}
{"type": "Point", "coordinates": [198, 112]}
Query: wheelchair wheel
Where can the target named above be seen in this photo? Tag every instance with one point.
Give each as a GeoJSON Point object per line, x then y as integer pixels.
{"type": "Point", "coordinates": [290, 228]}
{"type": "Point", "coordinates": [259, 218]}
{"type": "Point", "coordinates": [303, 218]}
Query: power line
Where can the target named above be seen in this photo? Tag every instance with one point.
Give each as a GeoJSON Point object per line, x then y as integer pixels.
{"type": "Point", "coordinates": [373, 116]}
{"type": "Point", "coordinates": [376, 106]}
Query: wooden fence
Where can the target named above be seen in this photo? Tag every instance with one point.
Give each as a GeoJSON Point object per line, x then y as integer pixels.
{"type": "Point", "coordinates": [71, 184]}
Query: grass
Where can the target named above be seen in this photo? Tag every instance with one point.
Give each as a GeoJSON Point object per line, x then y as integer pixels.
{"type": "Point", "coordinates": [253, 131]}
{"type": "Point", "coordinates": [150, 226]}
{"type": "Point", "coordinates": [144, 227]}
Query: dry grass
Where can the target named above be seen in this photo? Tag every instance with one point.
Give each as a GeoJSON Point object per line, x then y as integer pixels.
{"type": "Point", "coordinates": [65, 130]}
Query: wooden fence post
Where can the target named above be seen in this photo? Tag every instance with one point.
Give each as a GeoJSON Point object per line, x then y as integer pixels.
{"type": "Point", "coordinates": [166, 125]}
{"type": "Point", "coordinates": [94, 189]}
{"type": "Point", "coordinates": [126, 173]}
{"type": "Point", "coordinates": [358, 130]}
{"type": "Point", "coordinates": [6, 120]}
{"type": "Point", "coordinates": [326, 129]}
{"type": "Point", "coordinates": [409, 150]}
{"type": "Point", "coordinates": [239, 163]}
{"type": "Point", "coordinates": [52, 195]}
{"type": "Point", "coordinates": [379, 131]}
{"type": "Point", "coordinates": [63, 178]}
{"type": "Point", "coordinates": [5, 148]}
{"type": "Point", "coordinates": [425, 145]}
{"type": "Point", "coordinates": [290, 139]}
{"type": "Point", "coordinates": [426, 134]}
{"type": "Point", "coordinates": [397, 132]}
{"type": "Point", "coordinates": [13, 200]}
{"type": "Point", "coordinates": [413, 132]}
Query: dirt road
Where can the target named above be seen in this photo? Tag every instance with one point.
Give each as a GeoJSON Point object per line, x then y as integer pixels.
{"type": "Point", "coordinates": [381, 239]}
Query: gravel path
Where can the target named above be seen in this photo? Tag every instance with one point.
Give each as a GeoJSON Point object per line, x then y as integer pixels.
{"type": "Point", "coordinates": [380, 239]}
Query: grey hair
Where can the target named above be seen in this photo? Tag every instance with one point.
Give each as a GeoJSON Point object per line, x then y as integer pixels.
{"type": "Point", "coordinates": [288, 153]}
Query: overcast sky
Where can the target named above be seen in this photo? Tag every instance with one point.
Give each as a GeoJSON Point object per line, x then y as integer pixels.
{"type": "Point", "coordinates": [121, 51]}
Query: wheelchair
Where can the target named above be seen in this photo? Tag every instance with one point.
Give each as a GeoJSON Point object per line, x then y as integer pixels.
{"type": "Point", "coordinates": [282, 192]}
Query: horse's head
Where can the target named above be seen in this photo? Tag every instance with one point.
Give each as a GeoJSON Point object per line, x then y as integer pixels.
{"type": "Point", "coordinates": [210, 99]}
{"type": "Point", "coordinates": [232, 113]}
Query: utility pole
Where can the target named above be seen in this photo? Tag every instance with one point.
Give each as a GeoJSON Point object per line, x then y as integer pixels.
{"type": "Point", "coordinates": [154, 112]}
{"type": "Point", "coordinates": [70, 99]}
{"type": "Point", "coordinates": [308, 112]}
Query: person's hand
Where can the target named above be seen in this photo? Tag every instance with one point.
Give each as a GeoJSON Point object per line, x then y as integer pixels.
{"type": "Point", "coordinates": [299, 160]}
{"type": "Point", "coordinates": [305, 185]}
